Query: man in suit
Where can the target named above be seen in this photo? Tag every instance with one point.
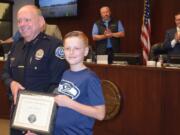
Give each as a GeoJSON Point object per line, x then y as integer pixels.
{"type": "Point", "coordinates": [172, 38]}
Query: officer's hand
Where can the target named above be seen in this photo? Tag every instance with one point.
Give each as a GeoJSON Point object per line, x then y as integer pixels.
{"type": "Point", "coordinates": [15, 87]}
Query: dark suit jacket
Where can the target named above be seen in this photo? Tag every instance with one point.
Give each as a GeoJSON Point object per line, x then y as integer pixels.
{"type": "Point", "coordinates": [167, 43]}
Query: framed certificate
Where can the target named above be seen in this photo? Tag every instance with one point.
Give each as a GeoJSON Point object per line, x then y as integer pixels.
{"type": "Point", "coordinates": [34, 111]}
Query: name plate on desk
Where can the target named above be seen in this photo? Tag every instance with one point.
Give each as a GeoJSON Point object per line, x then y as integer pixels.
{"type": "Point", "coordinates": [102, 59]}
{"type": "Point", "coordinates": [1, 58]}
{"type": "Point", "coordinates": [34, 112]}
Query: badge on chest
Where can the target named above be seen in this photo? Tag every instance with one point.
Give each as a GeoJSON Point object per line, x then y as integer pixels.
{"type": "Point", "coordinates": [39, 54]}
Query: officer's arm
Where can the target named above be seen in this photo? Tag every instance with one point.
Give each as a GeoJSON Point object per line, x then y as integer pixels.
{"type": "Point", "coordinates": [5, 76]}
{"type": "Point", "coordinates": [57, 66]}
{"type": "Point", "coordinates": [13, 86]}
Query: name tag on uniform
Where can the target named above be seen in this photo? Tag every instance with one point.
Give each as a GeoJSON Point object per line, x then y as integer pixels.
{"type": "Point", "coordinates": [20, 66]}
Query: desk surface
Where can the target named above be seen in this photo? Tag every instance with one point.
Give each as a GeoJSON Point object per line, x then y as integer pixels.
{"type": "Point", "coordinates": [150, 100]}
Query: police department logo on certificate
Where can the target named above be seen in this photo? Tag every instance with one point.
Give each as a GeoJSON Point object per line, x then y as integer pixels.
{"type": "Point", "coordinates": [34, 111]}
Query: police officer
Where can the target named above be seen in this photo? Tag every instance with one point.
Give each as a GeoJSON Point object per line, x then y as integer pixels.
{"type": "Point", "coordinates": [36, 61]}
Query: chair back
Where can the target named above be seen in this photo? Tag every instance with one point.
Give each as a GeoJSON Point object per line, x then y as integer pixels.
{"type": "Point", "coordinates": [156, 50]}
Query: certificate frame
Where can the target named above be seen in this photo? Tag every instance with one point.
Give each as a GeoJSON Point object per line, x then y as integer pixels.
{"type": "Point", "coordinates": [34, 111]}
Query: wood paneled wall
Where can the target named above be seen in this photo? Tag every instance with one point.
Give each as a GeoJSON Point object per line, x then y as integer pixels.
{"type": "Point", "coordinates": [150, 100]}
{"type": "Point", "coordinates": [129, 12]}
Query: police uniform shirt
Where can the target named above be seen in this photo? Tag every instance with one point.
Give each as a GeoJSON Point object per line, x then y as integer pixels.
{"type": "Point", "coordinates": [37, 65]}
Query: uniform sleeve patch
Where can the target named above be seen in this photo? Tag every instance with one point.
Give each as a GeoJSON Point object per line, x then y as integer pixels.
{"type": "Point", "coordinates": [59, 52]}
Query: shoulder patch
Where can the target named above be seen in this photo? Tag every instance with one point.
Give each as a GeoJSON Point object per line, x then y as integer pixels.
{"type": "Point", "coordinates": [59, 52]}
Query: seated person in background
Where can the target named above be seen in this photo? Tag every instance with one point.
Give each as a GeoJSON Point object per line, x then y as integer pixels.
{"type": "Point", "coordinates": [12, 39]}
{"type": "Point", "coordinates": [49, 29]}
{"type": "Point", "coordinates": [107, 32]}
{"type": "Point", "coordinates": [172, 38]}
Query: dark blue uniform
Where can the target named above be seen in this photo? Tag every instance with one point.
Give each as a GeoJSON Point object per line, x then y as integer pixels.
{"type": "Point", "coordinates": [37, 65]}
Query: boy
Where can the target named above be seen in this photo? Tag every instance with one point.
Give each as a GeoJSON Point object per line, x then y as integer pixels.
{"type": "Point", "coordinates": [80, 100]}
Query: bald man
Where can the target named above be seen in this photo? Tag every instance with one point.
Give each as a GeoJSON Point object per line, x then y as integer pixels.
{"type": "Point", "coordinates": [36, 61]}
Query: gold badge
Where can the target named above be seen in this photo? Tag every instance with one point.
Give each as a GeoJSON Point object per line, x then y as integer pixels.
{"type": "Point", "coordinates": [39, 54]}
